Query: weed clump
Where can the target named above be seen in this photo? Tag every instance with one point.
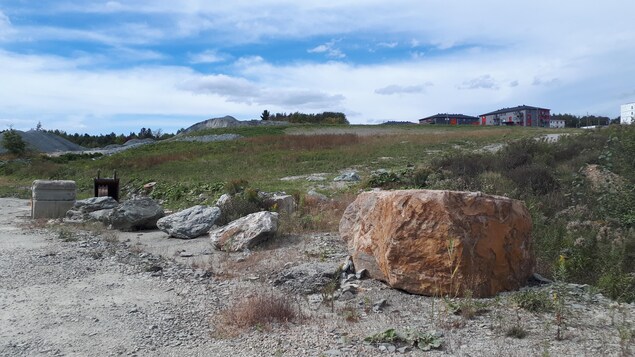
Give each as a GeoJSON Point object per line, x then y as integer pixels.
{"type": "Point", "coordinates": [261, 311]}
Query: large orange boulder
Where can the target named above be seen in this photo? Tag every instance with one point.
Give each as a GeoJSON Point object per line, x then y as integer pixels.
{"type": "Point", "coordinates": [440, 243]}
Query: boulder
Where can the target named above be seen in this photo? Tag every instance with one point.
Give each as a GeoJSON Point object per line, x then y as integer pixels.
{"type": "Point", "coordinates": [440, 242]}
{"type": "Point", "coordinates": [282, 203]}
{"type": "Point", "coordinates": [246, 232]}
{"type": "Point", "coordinates": [189, 223]}
{"type": "Point", "coordinates": [307, 278]}
{"type": "Point", "coordinates": [347, 177]}
{"type": "Point", "coordinates": [94, 208]}
{"type": "Point", "coordinates": [136, 214]}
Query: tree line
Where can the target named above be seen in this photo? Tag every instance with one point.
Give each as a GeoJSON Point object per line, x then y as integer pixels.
{"type": "Point", "coordinates": [101, 140]}
{"type": "Point", "coordinates": [297, 117]}
{"type": "Point", "coordinates": [573, 121]}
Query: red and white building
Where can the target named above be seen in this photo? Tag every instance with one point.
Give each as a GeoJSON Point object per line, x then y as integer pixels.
{"type": "Point", "coordinates": [523, 115]}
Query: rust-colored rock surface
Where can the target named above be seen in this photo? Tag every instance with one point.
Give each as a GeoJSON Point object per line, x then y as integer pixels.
{"type": "Point", "coordinates": [440, 242]}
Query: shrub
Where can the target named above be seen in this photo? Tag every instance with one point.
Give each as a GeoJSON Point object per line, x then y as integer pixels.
{"type": "Point", "coordinates": [260, 310]}
{"type": "Point", "coordinates": [533, 300]}
{"type": "Point", "coordinates": [233, 187]}
{"type": "Point", "coordinates": [618, 285]}
{"type": "Point", "coordinates": [533, 179]}
{"type": "Point", "coordinates": [464, 165]}
{"type": "Point", "coordinates": [12, 141]}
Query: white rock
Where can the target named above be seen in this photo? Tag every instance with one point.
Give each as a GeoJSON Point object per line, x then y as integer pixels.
{"type": "Point", "coordinates": [190, 223]}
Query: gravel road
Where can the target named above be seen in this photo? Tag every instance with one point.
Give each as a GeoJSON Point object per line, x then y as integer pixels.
{"type": "Point", "coordinates": [75, 292]}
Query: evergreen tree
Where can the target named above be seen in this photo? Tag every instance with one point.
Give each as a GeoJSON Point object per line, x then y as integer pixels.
{"type": "Point", "coordinates": [12, 141]}
{"type": "Point", "coordinates": [265, 115]}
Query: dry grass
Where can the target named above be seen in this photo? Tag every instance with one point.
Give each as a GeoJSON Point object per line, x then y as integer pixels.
{"type": "Point", "coordinates": [305, 142]}
{"type": "Point", "coordinates": [260, 310]}
{"type": "Point", "coordinates": [316, 215]}
{"type": "Point", "coordinates": [155, 160]}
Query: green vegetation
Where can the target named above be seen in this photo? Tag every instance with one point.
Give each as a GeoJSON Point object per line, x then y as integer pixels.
{"type": "Point", "coordinates": [12, 141]}
{"type": "Point", "coordinates": [297, 117]}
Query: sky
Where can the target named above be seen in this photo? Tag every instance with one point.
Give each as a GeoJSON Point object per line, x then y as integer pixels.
{"type": "Point", "coordinates": [115, 66]}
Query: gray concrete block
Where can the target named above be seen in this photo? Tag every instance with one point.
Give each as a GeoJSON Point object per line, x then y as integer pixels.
{"type": "Point", "coordinates": [50, 209]}
{"type": "Point", "coordinates": [54, 190]}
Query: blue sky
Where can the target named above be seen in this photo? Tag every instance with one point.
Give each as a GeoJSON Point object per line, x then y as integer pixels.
{"type": "Point", "coordinates": [101, 66]}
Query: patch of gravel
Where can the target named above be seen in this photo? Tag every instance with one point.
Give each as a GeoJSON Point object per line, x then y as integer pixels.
{"type": "Point", "coordinates": [101, 294]}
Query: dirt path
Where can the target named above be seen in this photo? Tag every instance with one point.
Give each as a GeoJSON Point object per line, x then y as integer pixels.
{"type": "Point", "coordinates": [74, 298]}
{"type": "Point", "coordinates": [102, 293]}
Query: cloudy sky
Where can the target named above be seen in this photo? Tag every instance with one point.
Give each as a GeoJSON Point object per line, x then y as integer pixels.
{"type": "Point", "coordinates": [101, 66]}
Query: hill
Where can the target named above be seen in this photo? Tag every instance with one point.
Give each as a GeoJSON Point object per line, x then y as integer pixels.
{"type": "Point", "coordinates": [228, 122]}
{"type": "Point", "coordinates": [44, 142]}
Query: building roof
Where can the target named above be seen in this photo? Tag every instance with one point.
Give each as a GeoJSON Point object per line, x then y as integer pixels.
{"type": "Point", "coordinates": [446, 115]}
{"type": "Point", "coordinates": [514, 109]}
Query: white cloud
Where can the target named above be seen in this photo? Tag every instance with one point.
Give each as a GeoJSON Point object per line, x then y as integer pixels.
{"type": "Point", "coordinates": [483, 82]}
{"type": "Point", "coordinates": [388, 44]}
{"type": "Point", "coordinates": [208, 56]}
{"type": "Point", "coordinates": [329, 49]}
{"type": "Point", "coordinates": [5, 26]}
{"type": "Point", "coordinates": [397, 89]}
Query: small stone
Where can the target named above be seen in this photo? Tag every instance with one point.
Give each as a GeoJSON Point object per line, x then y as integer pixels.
{"type": "Point", "coordinates": [186, 255]}
{"type": "Point", "coordinates": [361, 274]}
{"type": "Point", "coordinates": [403, 349]}
{"type": "Point", "coordinates": [133, 310]}
{"type": "Point", "coordinates": [391, 348]}
{"type": "Point", "coordinates": [378, 306]}
{"type": "Point", "coordinates": [333, 352]}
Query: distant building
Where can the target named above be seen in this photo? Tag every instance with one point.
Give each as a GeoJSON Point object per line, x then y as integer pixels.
{"type": "Point", "coordinates": [627, 114]}
{"type": "Point", "coordinates": [450, 119]}
{"type": "Point", "coordinates": [556, 123]}
{"type": "Point", "coordinates": [522, 115]}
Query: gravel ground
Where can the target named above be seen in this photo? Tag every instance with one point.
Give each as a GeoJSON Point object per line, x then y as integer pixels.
{"type": "Point", "coordinates": [68, 291]}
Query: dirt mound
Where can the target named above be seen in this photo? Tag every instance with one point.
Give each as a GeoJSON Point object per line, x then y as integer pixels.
{"type": "Point", "coordinates": [44, 142]}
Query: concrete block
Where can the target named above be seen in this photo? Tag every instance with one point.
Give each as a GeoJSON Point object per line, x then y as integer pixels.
{"type": "Point", "coordinates": [50, 209]}
{"type": "Point", "coordinates": [58, 190]}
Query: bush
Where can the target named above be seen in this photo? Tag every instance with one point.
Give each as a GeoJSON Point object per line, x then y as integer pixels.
{"type": "Point", "coordinates": [12, 141]}
{"type": "Point", "coordinates": [533, 300]}
{"type": "Point", "coordinates": [533, 179]}
{"type": "Point", "coordinates": [260, 310]}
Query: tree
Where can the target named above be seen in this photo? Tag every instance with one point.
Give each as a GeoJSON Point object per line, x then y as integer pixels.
{"type": "Point", "coordinates": [38, 127]}
{"type": "Point", "coordinates": [265, 115]}
{"type": "Point", "coordinates": [12, 141]}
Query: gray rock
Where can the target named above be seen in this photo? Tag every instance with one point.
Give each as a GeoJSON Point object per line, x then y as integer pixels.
{"type": "Point", "coordinates": [95, 204]}
{"type": "Point", "coordinates": [361, 274]}
{"type": "Point", "coordinates": [307, 278]}
{"type": "Point", "coordinates": [136, 214]}
{"type": "Point", "coordinates": [316, 195]}
{"type": "Point", "coordinates": [348, 177]}
{"type": "Point", "coordinates": [102, 216]}
{"type": "Point", "coordinates": [246, 232]}
{"type": "Point", "coordinates": [190, 223]}
{"type": "Point", "coordinates": [223, 200]}
{"type": "Point", "coordinates": [316, 177]}
{"type": "Point", "coordinates": [378, 306]}
{"type": "Point", "coordinates": [84, 210]}
{"type": "Point", "coordinates": [283, 203]}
